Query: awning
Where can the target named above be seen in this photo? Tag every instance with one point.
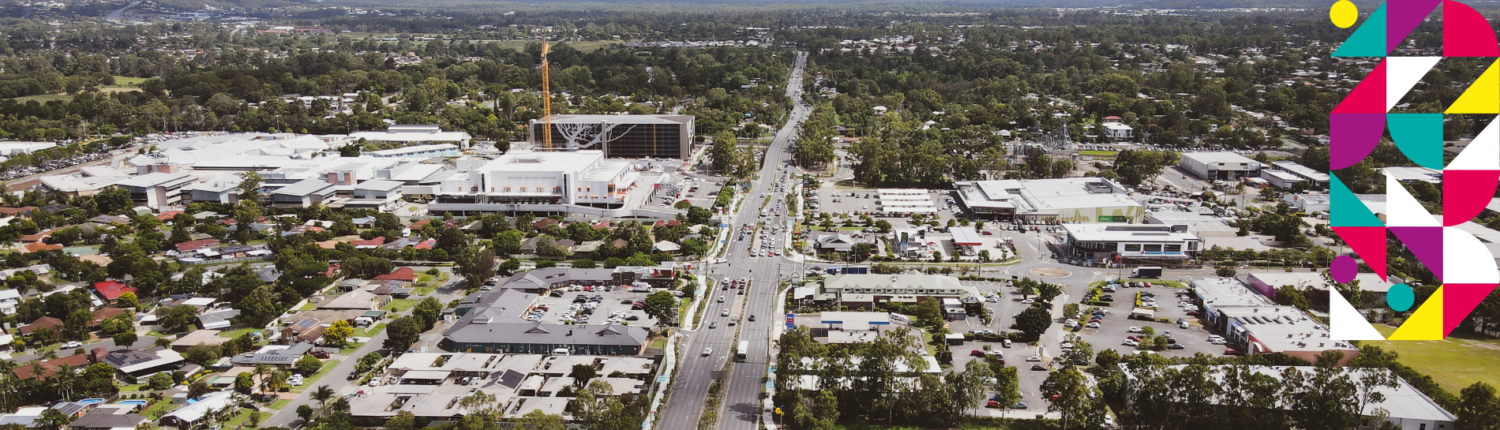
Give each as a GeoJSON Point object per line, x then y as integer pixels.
{"type": "Point", "coordinates": [433, 375]}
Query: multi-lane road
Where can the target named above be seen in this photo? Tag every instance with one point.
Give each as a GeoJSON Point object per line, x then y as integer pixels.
{"type": "Point", "coordinates": [740, 407]}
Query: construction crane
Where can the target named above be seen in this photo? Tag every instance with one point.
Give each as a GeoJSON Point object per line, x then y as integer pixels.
{"type": "Point", "coordinates": [546, 101]}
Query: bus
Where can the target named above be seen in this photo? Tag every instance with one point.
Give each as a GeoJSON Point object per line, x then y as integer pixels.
{"type": "Point", "coordinates": [742, 351]}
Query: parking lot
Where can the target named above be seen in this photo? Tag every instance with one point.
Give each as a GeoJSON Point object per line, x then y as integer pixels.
{"type": "Point", "coordinates": [1116, 326]}
{"type": "Point", "coordinates": [602, 305]}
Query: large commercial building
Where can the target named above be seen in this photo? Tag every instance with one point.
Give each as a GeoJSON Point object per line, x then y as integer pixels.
{"type": "Point", "coordinates": [870, 290]}
{"type": "Point", "coordinates": [1095, 242]}
{"type": "Point", "coordinates": [410, 134]}
{"type": "Point", "coordinates": [1299, 173]}
{"type": "Point", "coordinates": [1065, 199]}
{"type": "Point", "coordinates": [619, 136]}
{"type": "Point", "coordinates": [1267, 282]}
{"type": "Point", "coordinates": [1219, 166]}
{"type": "Point", "coordinates": [582, 177]}
{"type": "Point", "coordinates": [494, 322]}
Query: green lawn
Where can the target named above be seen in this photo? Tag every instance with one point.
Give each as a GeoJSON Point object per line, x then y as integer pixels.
{"type": "Point", "coordinates": [235, 333]}
{"type": "Point", "coordinates": [136, 387]}
{"type": "Point", "coordinates": [280, 404]}
{"type": "Point", "coordinates": [309, 306]}
{"type": "Point", "coordinates": [659, 343]}
{"type": "Point", "coordinates": [312, 381]}
{"type": "Point", "coordinates": [399, 305]}
{"type": "Point", "coordinates": [360, 332]}
{"type": "Point", "coordinates": [1099, 153]}
{"type": "Point", "coordinates": [1455, 363]}
{"type": "Point", "coordinates": [126, 81]}
{"type": "Point", "coordinates": [244, 417]}
{"type": "Point", "coordinates": [156, 410]}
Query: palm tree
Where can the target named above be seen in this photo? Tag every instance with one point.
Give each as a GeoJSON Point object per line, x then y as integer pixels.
{"type": "Point", "coordinates": [262, 371]}
{"type": "Point", "coordinates": [322, 394]}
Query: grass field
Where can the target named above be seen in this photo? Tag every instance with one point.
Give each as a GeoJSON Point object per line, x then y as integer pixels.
{"type": "Point", "coordinates": [399, 305]}
{"type": "Point", "coordinates": [126, 81]}
{"type": "Point", "coordinates": [280, 403]}
{"type": "Point", "coordinates": [1454, 363]}
{"type": "Point", "coordinates": [360, 332]}
{"type": "Point", "coordinates": [44, 98]}
{"type": "Point", "coordinates": [156, 410]}
{"type": "Point", "coordinates": [1100, 154]}
{"type": "Point", "coordinates": [244, 418]}
{"type": "Point", "coordinates": [235, 333]}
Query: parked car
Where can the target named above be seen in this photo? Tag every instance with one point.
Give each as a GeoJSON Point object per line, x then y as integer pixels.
{"type": "Point", "coordinates": [1038, 367]}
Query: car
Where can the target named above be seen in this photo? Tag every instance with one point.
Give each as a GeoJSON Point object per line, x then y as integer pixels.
{"type": "Point", "coordinates": [1129, 342]}
{"type": "Point", "coordinates": [752, 318]}
{"type": "Point", "coordinates": [1028, 301]}
{"type": "Point", "coordinates": [978, 353]}
{"type": "Point", "coordinates": [73, 344]}
{"type": "Point", "coordinates": [707, 351]}
{"type": "Point", "coordinates": [731, 323]}
{"type": "Point", "coordinates": [352, 376]}
{"type": "Point", "coordinates": [1020, 405]}
{"type": "Point", "coordinates": [1106, 299]}
{"type": "Point", "coordinates": [1231, 351]}
{"type": "Point", "coordinates": [1192, 312]}
{"type": "Point", "coordinates": [1176, 346]}
{"type": "Point", "coordinates": [1134, 338]}
{"type": "Point", "coordinates": [633, 318]}
{"type": "Point", "coordinates": [725, 313]}
{"type": "Point", "coordinates": [714, 324]}
{"type": "Point", "coordinates": [320, 354]}
{"type": "Point", "coordinates": [1005, 343]}
{"type": "Point", "coordinates": [1038, 367]}
{"type": "Point", "coordinates": [1091, 325]}
{"type": "Point", "coordinates": [721, 299]}
{"type": "Point", "coordinates": [1034, 358]}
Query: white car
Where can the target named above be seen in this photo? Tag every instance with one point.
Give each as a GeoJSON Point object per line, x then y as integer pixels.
{"type": "Point", "coordinates": [707, 351]}
{"type": "Point", "coordinates": [1028, 301]}
{"type": "Point", "coordinates": [73, 344]}
{"type": "Point", "coordinates": [1129, 342]}
{"type": "Point", "coordinates": [1034, 358]}
{"type": "Point", "coordinates": [1134, 329]}
{"type": "Point", "coordinates": [725, 313]}
{"type": "Point", "coordinates": [1091, 325]}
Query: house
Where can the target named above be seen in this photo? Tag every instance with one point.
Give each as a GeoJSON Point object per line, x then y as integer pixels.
{"type": "Point", "coordinates": [24, 417]}
{"type": "Point", "coordinates": [304, 193]}
{"type": "Point", "coordinates": [108, 417]}
{"type": "Point", "coordinates": [9, 299]}
{"type": "Point", "coordinates": [303, 330]}
{"type": "Point", "coordinates": [38, 247]}
{"type": "Point", "coordinates": [49, 323]}
{"type": "Point", "coordinates": [206, 410]}
{"type": "Point", "coordinates": [198, 337]}
{"type": "Point", "coordinates": [144, 362]}
{"type": "Point", "coordinates": [217, 319]}
{"type": "Point", "coordinates": [405, 274]}
{"type": "Point", "coordinates": [45, 369]}
{"type": "Point", "coordinates": [362, 300]}
{"type": "Point", "coordinates": [110, 291]}
{"type": "Point", "coordinates": [835, 243]}
{"type": "Point", "coordinates": [194, 245]}
{"type": "Point", "coordinates": [368, 244]}
{"type": "Point", "coordinates": [275, 355]}
{"type": "Point", "coordinates": [104, 314]}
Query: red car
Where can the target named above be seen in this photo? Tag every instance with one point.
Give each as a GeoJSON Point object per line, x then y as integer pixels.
{"type": "Point", "coordinates": [989, 233]}
{"type": "Point", "coordinates": [978, 353]}
{"type": "Point", "coordinates": [1134, 338]}
{"type": "Point", "coordinates": [320, 354]}
{"type": "Point", "coordinates": [1192, 312]}
{"type": "Point", "coordinates": [1148, 285]}
{"type": "Point", "coordinates": [1231, 351]}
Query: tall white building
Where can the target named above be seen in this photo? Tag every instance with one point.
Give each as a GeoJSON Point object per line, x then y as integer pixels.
{"type": "Point", "coordinates": [573, 178]}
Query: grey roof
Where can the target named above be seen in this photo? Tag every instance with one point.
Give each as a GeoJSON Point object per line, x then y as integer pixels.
{"type": "Point", "coordinates": [541, 278]}
{"type": "Point", "coordinates": [101, 418]}
{"type": "Point", "coordinates": [285, 356]}
{"type": "Point", "coordinates": [378, 185]}
{"type": "Point", "coordinates": [496, 318]}
{"type": "Point", "coordinates": [269, 274]}
{"type": "Point", "coordinates": [304, 188]}
{"type": "Point", "coordinates": [69, 408]}
{"type": "Point", "coordinates": [218, 316]}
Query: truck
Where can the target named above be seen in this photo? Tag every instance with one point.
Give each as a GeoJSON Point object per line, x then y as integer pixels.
{"type": "Point", "coordinates": [1146, 272]}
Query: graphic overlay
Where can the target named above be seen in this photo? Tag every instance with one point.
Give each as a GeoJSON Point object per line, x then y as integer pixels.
{"type": "Point", "coordinates": [1463, 264]}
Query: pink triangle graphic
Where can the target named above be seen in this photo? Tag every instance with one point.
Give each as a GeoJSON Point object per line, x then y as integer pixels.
{"type": "Point", "coordinates": [1426, 243]}
{"type": "Point", "coordinates": [1466, 33]}
{"type": "Point", "coordinates": [1369, 243]}
{"type": "Point", "coordinates": [1368, 96]}
{"type": "Point", "coordinates": [1459, 300]}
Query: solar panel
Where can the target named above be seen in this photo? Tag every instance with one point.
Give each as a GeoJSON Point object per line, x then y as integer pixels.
{"type": "Point", "coordinates": [511, 379]}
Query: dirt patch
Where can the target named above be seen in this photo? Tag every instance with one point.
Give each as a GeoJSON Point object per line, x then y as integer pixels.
{"type": "Point", "coordinates": [1051, 272]}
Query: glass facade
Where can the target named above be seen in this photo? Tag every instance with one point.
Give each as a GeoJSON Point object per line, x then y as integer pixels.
{"type": "Point", "coordinates": [628, 140]}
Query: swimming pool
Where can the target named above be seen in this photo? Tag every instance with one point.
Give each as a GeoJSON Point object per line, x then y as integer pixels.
{"type": "Point", "coordinates": [132, 402]}
{"type": "Point", "coordinates": [90, 401]}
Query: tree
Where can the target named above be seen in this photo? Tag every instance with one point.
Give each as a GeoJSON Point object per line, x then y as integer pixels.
{"type": "Point", "coordinates": [402, 333]}
{"type": "Point", "coordinates": [1007, 383]}
{"type": "Point", "coordinates": [1045, 292]}
{"type": "Point", "coordinates": [1227, 271]}
{"type": "Point", "coordinates": [113, 200]}
{"type": "Point", "coordinates": [403, 420]}
{"type": "Point", "coordinates": [322, 394]}
{"type": "Point", "coordinates": [1321, 398]}
{"type": "Point", "coordinates": [597, 409]}
{"type": "Point", "coordinates": [127, 300]}
{"type": "Point", "coordinates": [478, 267]}
{"type": "Point", "coordinates": [1478, 408]}
{"type": "Point", "coordinates": [308, 365]}
{"type": "Point", "coordinates": [584, 263]}
{"type": "Point", "coordinates": [1076, 401]}
{"type": "Point", "coordinates": [337, 335]}
{"type": "Point", "coordinates": [661, 306]}
{"type": "Point", "coordinates": [244, 383]}
{"type": "Point", "coordinates": [198, 389]}
{"type": "Point", "coordinates": [428, 311]}
{"type": "Point", "coordinates": [125, 339]}
{"type": "Point", "coordinates": [697, 215]}
{"type": "Point", "coordinates": [929, 313]}
{"type": "Point", "coordinates": [582, 373]}
{"type": "Point", "coordinates": [536, 420]}
{"type": "Point", "coordinates": [249, 187]}
{"type": "Point", "coordinates": [1034, 320]}
{"type": "Point", "coordinates": [304, 411]}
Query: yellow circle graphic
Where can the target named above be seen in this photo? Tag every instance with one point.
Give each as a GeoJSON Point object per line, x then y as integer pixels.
{"type": "Point", "coordinates": [1343, 14]}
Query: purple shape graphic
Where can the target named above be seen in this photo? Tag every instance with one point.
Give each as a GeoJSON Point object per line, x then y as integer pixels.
{"type": "Point", "coordinates": [1352, 136]}
{"type": "Point", "coordinates": [1403, 17]}
{"type": "Point", "coordinates": [1344, 269]}
{"type": "Point", "coordinates": [1426, 243]}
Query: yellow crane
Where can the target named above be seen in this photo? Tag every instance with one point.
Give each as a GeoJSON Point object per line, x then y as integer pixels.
{"type": "Point", "coordinates": [546, 101]}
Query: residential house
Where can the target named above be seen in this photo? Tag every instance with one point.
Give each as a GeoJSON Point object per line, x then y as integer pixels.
{"type": "Point", "coordinates": [195, 245]}
{"type": "Point", "coordinates": [144, 362]}
{"type": "Point", "coordinates": [404, 274]}
{"type": "Point", "coordinates": [45, 369]}
{"type": "Point", "coordinates": [217, 319]}
{"type": "Point", "coordinates": [9, 299]}
{"type": "Point", "coordinates": [110, 291]}
{"type": "Point", "coordinates": [46, 322]}
{"type": "Point", "coordinates": [303, 330]}
{"type": "Point", "coordinates": [108, 417]}
{"type": "Point", "coordinates": [362, 300]}
{"type": "Point", "coordinates": [275, 355]}
{"type": "Point", "coordinates": [198, 337]}
{"type": "Point", "coordinates": [206, 411]}
{"type": "Point", "coordinates": [835, 243]}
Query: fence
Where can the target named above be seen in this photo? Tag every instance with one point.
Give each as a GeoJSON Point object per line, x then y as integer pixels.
{"type": "Point", "coordinates": [229, 260]}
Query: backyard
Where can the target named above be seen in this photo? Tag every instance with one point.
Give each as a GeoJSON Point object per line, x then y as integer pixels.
{"type": "Point", "coordinates": [1456, 362]}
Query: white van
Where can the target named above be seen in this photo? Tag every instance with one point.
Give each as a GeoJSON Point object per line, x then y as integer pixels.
{"type": "Point", "coordinates": [560, 351]}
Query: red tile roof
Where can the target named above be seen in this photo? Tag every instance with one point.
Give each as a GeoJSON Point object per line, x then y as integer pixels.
{"type": "Point", "coordinates": [419, 224]}
{"type": "Point", "coordinates": [195, 244]}
{"type": "Point", "coordinates": [543, 223]}
{"type": "Point", "coordinates": [426, 244]}
{"type": "Point", "coordinates": [377, 241]}
{"type": "Point", "coordinates": [19, 210]}
{"type": "Point", "coordinates": [40, 236]}
{"type": "Point", "coordinates": [49, 367]}
{"type": "Point", "coordinates": [39, 247]}
{"type": "Point", "coordinates": [168, 215]}
{"type": "Point", "coordinates": [43, 322]}
{"type": "Point", "coordinates": [402, 274]}
{"type": "Point", "coordinates": [112, 290]}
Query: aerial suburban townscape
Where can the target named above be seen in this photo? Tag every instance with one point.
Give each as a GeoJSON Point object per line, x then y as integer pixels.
{"type": "Point", "coordinates": [340, 215]}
